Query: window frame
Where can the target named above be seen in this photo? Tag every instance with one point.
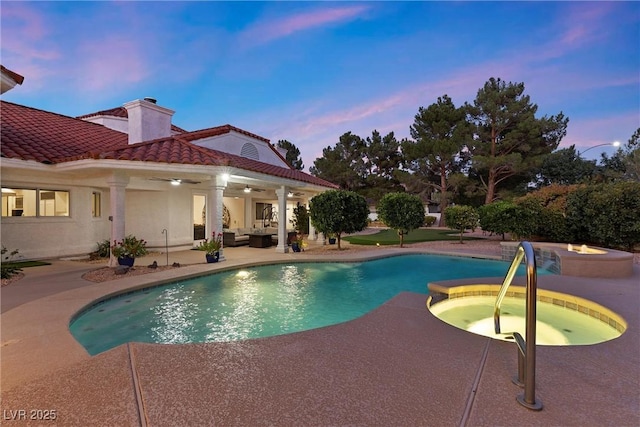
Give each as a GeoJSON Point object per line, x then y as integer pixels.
{"type": "Point", "coordinates": [38, 202]}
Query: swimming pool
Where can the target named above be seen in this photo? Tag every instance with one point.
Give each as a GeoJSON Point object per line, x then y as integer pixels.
{"type": "Point", "coordinates": [266, 300]}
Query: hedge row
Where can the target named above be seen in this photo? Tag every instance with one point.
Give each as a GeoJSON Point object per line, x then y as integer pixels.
{"type": "Point", "coordinates": [605, 214]}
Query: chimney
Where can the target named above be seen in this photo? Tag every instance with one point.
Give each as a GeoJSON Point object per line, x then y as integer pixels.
{"type": "Point", "coordinates": [147, 120]}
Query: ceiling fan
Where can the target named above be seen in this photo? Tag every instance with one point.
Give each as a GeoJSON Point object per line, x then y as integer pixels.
{"type": "Point", "coordinates": [294, 193]}
{"type": "Point", "coordinates": [248, 189]}
{"type": "Point", "coordinates": [176, 181]}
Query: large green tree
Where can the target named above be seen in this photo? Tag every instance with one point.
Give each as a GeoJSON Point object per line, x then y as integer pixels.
{"type": "Point", "coordinates": [564, 167]}
{"type": "Point", "coordinates": [382, 161]}
{"type": "Point", "coordinates": [402, 212]}
{"type": "Point", "coordinates": [440, 133]}
{"type": "Point", "coordinates": [339, 211]}
{"type": "Point", "coordinates": [509, 139]}
{"type": "Point", "coordinates": [293, 154]}
{"type": "Point", "coordinates": [343, 164]}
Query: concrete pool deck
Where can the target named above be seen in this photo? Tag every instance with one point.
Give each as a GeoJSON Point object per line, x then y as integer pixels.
{"type": "Point", "coordinates": [397, 365]}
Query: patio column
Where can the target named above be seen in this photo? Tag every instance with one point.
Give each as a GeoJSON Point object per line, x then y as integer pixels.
{"type": "Point", "coordinates": [282, 220]}
{"type": "Point", "coordinates": [215, 208]}
{"type": "Point", "coordinates": [248, 212]}
{"type": "Point", "coordinates": [117, 195]}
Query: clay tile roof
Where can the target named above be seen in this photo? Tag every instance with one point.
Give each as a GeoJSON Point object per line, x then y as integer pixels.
{"type": "Point", "coordinates": [15, 76]}
{"type": "Point", "coordinates": [31, 134]}
{"type": "Point", "coordinates": [121, 112]}
{"type": "Point", "coordinates": [177, 150]}
{"type": "Point", "coordinates": [219, 130]}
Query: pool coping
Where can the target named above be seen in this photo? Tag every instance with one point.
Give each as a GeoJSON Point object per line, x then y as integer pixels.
{"type": "Point", "coordinates": [605, 263]}
{"type": "Point", "coordinates": [41, 328]}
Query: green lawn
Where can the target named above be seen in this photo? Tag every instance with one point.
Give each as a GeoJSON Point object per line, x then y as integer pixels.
{"type": "Point", "coordinates": [390, 237]}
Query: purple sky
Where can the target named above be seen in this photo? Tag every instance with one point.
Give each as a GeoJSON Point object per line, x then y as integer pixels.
{"type": "Point", "coordinates": [310, 71]}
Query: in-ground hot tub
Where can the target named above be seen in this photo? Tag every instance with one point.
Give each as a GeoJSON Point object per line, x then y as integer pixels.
{"type": "Point", "coordinates": [562, 319]}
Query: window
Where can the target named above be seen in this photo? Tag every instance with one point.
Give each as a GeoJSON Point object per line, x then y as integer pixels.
{"type": "Point", "coordinates": [263, 210]}
{"type": "Point", "coordinates": [96, 204]}
{"type": "Point", "coordinates": [32, 202]}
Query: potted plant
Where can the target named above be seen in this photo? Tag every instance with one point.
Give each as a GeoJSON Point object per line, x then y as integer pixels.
{"type": "Point", "coordinates": [128, 249]}
{"type": "Point", "coordinates": [332, 238]}
{"type": "Point", "coordinates": [297, 243]}
{"type": "Point", "coordinates": [211, 247]}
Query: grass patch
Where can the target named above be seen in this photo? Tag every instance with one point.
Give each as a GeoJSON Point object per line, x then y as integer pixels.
{"type": "Point", "coordinates": [390, 237]}
{"type": "Point", "coordinates": [25, 264]}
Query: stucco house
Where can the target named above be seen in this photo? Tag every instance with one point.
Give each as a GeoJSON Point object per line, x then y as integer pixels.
{"type": "Point", "coordinates": [70, 182]}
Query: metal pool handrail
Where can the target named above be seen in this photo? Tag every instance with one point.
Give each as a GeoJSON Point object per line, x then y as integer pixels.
{"type": "Point", "coordinates": [527, 347]}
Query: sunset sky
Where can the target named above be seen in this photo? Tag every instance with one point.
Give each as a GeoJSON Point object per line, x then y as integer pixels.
{"type": "Point", "coordinates": [310, 71]}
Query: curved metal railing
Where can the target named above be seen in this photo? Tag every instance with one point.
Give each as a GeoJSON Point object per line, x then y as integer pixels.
{"type": "Point", "coordinates": [526, 347]}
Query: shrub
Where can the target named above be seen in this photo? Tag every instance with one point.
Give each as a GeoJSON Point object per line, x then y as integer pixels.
{"type": "Point", "coordinates": [429, 220]}
{"type": "Point", "coordinates": [103, 249]}
{"type": "Point", "coordinates": [525, 219]}
{"type": "Point", "coordinates": [461, 218]}
{"type": "Point", "coordinates": [300, 219]}
{"type": "Point", "coordinates": [339, 211]}
{"type": "Point", "coordinates": [606, 214]}
{"type": "Point", "coordinates": [130, 246]}
{"type": "Point", "coordinates": [549, 205]}
{"type": "Point", "coordinates": [497, 217]}
{"type": "Point", "coordinates": [213, 245]}
{"type": "Point", "coordinates": [401, 211]}
{"type": "Point", "coordinates": [8, 269]}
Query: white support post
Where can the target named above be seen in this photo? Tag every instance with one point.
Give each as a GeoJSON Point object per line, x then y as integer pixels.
{"type": "Point", "coordinates": [117, 197]}
{"type": "Point", "coordinates": [215, 209]}
{"type": "Point", "coordinates": [282, 220]}
{"type": "Point", "coordinates": [248, 212]}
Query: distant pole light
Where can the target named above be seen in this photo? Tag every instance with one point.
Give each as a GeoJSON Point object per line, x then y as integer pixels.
{"type": "Point", "coordinates": [614, 144]}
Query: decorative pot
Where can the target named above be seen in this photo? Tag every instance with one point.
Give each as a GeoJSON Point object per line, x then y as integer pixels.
{"type": "Point", "coordinates": [126, 260]}
{"type": "Point", "coordinates": [215, 257]}
{"type": "Point", "coordinates": [332, 240]}
{"type": "Point", "coordinates": [295, 246]}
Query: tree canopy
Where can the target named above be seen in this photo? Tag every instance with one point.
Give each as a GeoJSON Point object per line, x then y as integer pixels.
{"type": "Point", "coordinates": [473, 154]}
{"type": "Point", "coordinates": [339, 211]}
{"type": "Point", "coordinates": [382, 160]}
{"type": "Point", "coordinates": [509, 139]}
{"type": "Point", "coordinates": [440, 134]}
{"type": "Point", "coordinates": [564, 167]}
{"type": "Point", "coordinates": [293, 154]}
{"type": "Point", "coordinates": [343, 164]}
{"type": "Point", "coordinates": [402, 212]}
{"type": "Point", "coordinates": [624, 165]}
{"type": "Point", "coordinates": [462, 218]}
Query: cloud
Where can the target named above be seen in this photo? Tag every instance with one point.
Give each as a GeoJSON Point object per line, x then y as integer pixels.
{"type": "Point", "coordinates": [120, 63]}
{"type": "Point", "coordinates": [580, 25]}
{"type": "Point", "coordinates": [26, 46]}
{"type": "Point", "coordinates": [267, 30]}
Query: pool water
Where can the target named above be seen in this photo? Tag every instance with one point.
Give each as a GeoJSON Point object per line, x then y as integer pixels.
{"type": "Point", "coordinates": [266, 300]}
